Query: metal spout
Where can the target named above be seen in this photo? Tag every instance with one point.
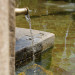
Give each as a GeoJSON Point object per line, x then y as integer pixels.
{"type": "Point", "coordinates": [21, 11]}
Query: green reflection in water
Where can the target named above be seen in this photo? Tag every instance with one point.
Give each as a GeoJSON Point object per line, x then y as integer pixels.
{"type": "Point", "coordinates": [50, 16]}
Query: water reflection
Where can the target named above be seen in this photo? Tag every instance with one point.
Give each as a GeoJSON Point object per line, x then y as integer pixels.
{"type": "Point", "coordinates": [44, 27]}
{"type": "Point", "coordinates": [64, 53]}
{"type": "Point", "coordinates": [68, 5]}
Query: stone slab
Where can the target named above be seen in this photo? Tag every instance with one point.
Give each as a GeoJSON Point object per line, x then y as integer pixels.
{"type": "Point", "coordinates": [23, 38]}
{"type": "Point", "coordinates": [24, 48]}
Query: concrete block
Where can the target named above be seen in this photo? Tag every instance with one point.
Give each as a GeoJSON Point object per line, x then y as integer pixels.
{"type": "Point", "coordinates": [24, 49]}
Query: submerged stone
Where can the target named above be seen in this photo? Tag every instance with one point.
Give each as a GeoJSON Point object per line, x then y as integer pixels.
{"type": "Point", "coordinates": [36, 70]}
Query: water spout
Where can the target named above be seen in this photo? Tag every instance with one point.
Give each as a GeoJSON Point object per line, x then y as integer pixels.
{"type": "Point", "coordinates": [19, 11]}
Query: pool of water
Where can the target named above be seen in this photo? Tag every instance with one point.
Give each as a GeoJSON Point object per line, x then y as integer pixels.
{"type": "Point", "coordinates": [57, 17]}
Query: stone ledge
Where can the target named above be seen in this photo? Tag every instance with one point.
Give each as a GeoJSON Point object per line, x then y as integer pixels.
{"type": "Point", "coordinates": [24, 49]}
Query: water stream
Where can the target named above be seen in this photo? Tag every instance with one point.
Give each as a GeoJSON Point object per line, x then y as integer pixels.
{"type": "Point", "coordinates": [32, 38]}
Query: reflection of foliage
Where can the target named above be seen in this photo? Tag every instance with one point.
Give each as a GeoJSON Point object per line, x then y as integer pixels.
{"type": "Point", "coordinates": [46, 58]}
{"type": "Point", "coordinates": [64, 0]}
{"type": "Point", "coordinates": [73, 16]}
{"type": "Point", "coordinates": [22, 73]}
{"type": "Point", "coordinates": [47, 72]}
{"type": "Point", "coordinates": [73, 1]}
{"type": "Point", "coordinates": [44, 70]}
{"type": "Point", "coordinates": [28, 3]}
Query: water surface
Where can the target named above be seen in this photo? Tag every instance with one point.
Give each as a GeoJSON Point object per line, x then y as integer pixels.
{"type": "Point", "coordinates": [57, 17]}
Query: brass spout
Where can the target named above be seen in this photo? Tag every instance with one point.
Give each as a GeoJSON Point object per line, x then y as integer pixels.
{"type": "Point", "coordinates": [21, 11]}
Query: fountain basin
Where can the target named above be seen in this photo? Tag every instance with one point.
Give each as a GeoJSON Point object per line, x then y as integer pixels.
{"type": "Point", "coordinates": [24, 53]}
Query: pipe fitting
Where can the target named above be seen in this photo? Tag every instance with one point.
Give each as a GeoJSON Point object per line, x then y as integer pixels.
{"type": "Point", "coordinates": [21, 11]}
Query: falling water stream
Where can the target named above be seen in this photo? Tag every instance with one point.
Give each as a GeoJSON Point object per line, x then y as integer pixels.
{"type": "Point", "coordinates": [32, 38]}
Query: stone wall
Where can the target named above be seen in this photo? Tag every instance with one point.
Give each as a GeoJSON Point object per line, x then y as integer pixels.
{"type": "Point", "coordinates": [12, 35]}
{"type": "Point", "coordinates": [7, 37]}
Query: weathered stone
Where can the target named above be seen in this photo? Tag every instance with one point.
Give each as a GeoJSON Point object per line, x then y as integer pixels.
{"type": "Point", "coordinates": [4, 38]}
{"type": "Point", "coordinates": [24, 48]}
{"type": "Point", "coordinates": [12, 36]}
{"type": "Point", "coordinates": [7, 37]}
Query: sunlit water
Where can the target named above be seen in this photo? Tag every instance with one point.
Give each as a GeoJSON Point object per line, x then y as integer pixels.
{"type": "Point", "coordinates": [52, 17]}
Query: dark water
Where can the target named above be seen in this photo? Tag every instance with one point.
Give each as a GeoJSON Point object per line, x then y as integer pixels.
{"type": "Point", "coordinates": [57, 17]}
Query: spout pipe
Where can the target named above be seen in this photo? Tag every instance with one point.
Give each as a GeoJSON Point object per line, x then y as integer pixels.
{"type": "Point", "coordinates": [21, 11]}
